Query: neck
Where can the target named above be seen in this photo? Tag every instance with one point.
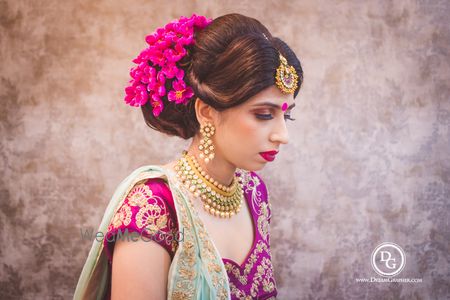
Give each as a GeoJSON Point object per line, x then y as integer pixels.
{"type": "Point", "coordinates": [218, 168]}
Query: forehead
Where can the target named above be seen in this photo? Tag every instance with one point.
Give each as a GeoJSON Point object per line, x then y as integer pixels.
{"type": "Point", "coordinates": [273, 95]}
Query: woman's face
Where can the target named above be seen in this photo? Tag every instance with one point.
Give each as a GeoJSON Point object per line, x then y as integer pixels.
{"type": "Point", "coordinates": [257, 125]}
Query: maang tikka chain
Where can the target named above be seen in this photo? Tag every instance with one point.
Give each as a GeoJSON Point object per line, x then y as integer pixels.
{"type": "Point", "coordinates": [206, 146]}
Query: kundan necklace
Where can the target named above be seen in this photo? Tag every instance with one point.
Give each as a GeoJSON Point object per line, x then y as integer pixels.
{"type": "Point", "coordinates": [218, 200]}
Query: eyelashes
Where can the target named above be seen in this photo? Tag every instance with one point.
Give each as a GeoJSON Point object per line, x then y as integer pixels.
{"type": "Point", "coordinates": [269, 117]}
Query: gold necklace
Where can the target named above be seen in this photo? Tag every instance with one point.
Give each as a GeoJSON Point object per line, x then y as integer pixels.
{"type": "Point", "coordinates": [218, 200]}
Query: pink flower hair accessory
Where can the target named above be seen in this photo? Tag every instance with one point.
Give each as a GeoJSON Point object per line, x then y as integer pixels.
{"type": "Point", "coordinates": [157, 68]}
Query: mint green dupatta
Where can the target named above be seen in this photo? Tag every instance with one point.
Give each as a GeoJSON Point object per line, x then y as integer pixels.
{"type": "Point", "coordinates": [196, 271]}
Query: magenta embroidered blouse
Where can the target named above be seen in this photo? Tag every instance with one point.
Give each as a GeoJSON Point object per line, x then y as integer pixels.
{"type": "Point", "coordinates": [150, 205]}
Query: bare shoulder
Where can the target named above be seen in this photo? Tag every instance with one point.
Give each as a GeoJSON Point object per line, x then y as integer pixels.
{"type": "Point", "coordinates": [140, 265]}
{"type": "Point", "coordinates": [139, 270]}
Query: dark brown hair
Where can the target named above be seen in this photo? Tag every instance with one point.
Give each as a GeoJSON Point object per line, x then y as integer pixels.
{"type": "Point", "coordinates": [231, 61]}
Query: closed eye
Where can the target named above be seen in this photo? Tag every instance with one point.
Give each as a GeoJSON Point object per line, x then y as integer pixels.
{"type": "Point", "coordinates": [269, 117]}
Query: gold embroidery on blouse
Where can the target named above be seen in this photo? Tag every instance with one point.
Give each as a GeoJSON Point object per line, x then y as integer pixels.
{"type": "Point", "coordinates": [264, 275]}
{"type": "Point", "coordinates": [139, 195]}
{"type": "Point", "coordinates": [123, 216]}
{"type": "Point", "coordinates": [150, 216]}
{"type": "Point", "coordinates": [263, 223]}
{"type": "Point", "coordinates": [238, 293]}
{"type": "Point", "coordinates": [260, 247]}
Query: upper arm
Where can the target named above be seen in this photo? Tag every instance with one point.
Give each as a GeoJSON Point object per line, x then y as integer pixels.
{"type": "Point", "coordinates": [139, 270]}
{"type": "Point", "coordinates": [140, 242]}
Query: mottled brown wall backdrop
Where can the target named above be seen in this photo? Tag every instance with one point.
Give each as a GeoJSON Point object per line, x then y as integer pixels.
{"type": "Point", "coordinates": [368, 159]}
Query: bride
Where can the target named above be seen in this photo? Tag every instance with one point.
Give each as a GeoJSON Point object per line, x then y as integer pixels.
{"type": "Point", "coordinates": [198, 227]}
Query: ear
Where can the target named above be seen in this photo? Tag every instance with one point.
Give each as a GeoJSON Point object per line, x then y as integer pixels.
{"type": "Point", "coordinates": [204, 112]}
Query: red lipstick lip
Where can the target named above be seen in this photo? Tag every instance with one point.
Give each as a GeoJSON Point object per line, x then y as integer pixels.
{"type": "Point", "coordinates": [272, 152]}
{"type": "Point", "coordinates": [269, 155]}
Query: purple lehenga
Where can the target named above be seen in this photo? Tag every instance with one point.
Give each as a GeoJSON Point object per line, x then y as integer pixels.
{"type": "Point", "coordinates": [149, 210]}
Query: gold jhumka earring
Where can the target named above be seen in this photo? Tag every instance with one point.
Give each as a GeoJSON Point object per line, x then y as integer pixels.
{"type": "Point", "coordinates": [206, 146]}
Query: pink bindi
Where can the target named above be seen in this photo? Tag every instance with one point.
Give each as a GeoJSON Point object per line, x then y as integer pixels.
{"type": "Point", "coordinates": [284, 106]}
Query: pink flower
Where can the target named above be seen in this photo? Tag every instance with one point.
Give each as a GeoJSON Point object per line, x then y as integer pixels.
{"type": "Point", "coordinates": [174, 55]}
{"type": "Point", "coordinates": [157, 105]}
{"type": "Point", "coordinates": [181, 92]}
{"type": "Point", "coordinates": [157, 85]}
{"type": "Point", "coordinates": [136, 94]}
{"type": "Point", "coordinates": [171, 71]}
{"type": "Point", "coordinates": [158, 62]}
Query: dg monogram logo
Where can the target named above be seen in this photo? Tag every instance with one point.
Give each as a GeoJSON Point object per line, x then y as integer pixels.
{"type": "Point", "coordinates": [388, 259]}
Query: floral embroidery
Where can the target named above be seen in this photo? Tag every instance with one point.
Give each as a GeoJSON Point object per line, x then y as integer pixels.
{"type": "Point", "coordinates": [260, 247]}
{"type": "Point", "coordinates": [123, 216]}
{"type": "Point", "coordinates": [183, 274]}
{"type": "Point", "coordinates": [257, 273]}
{"type": "Point", "coordinates": [142, 211]}
{"type": "Point", "coordinates": [264, 276]}
{"type": "Point", "coordinates": [210, 256]}
{"type": "Point", "coordinates": [140, 195]}
{"type": "Point", "coordinates": [263, 223]}
{"type": "Point", "coordinates": [263, 279]}
{"type": "Point", "coordinates": [150, 216]}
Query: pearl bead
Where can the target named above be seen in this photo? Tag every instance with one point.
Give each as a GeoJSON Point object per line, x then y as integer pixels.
{"type": "Point", "coordinates": [213, 201]}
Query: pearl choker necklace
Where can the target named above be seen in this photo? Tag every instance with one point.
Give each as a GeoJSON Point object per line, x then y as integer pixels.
{"type": "Point", "coordinates": [218, 200]}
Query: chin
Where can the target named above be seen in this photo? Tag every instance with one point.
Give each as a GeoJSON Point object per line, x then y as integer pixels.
{"type": "Point", "coordinates": [260, 167]}
{"type": "Point", "coordinates": [254, 167]}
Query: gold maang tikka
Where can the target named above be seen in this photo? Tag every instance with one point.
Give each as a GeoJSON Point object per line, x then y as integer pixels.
{"type": "Point", "coordinates": [206, 146]}
{"type": "Point", "coordinates": [286, 77]}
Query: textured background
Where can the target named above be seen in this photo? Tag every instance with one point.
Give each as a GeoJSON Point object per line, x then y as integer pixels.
{"type": "Point", "coordinates": [368, 159]}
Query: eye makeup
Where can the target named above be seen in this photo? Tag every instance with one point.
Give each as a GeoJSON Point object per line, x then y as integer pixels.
{"type": "Point", "coordinates": [270, 117]}
{"type": "Point", "coordinates": [276, 105]}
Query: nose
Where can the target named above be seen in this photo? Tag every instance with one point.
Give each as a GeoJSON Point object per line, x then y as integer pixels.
{"type": "Point", "coordinates": [279, 133]}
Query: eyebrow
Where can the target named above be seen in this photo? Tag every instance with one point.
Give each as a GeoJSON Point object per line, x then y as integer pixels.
{"type": "Point", "coordinates": [273, 105]}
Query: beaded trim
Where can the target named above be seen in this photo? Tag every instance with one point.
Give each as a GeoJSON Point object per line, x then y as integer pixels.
{"type": "Point", "coordinates": [217, 200]}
